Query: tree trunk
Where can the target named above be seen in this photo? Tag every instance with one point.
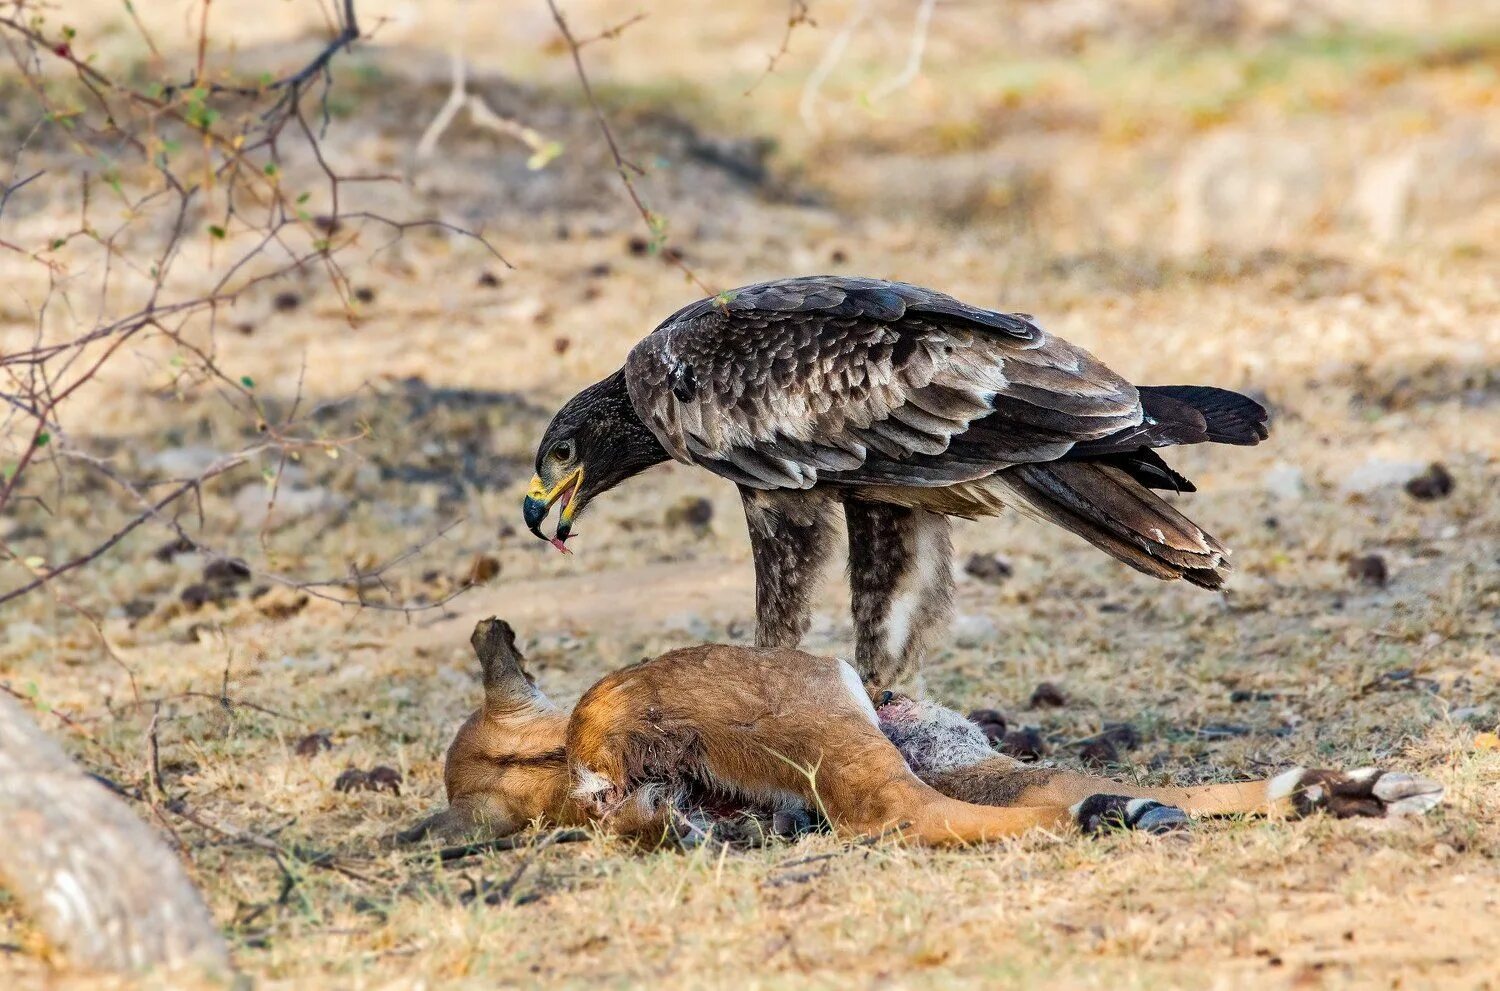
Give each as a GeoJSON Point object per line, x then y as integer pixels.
{"type": "Point", "coordinates": [99, 882]}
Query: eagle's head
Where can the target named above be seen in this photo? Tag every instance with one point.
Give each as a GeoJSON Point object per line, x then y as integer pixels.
{"type": "Point", "coordinates": [594, 443]}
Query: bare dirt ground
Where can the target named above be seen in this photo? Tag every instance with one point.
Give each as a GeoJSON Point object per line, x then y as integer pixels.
{"type": "Point", "coordinates": [1299, 200]}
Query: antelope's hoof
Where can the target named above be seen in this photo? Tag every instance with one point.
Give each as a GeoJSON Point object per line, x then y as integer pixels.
{"type": "Point", "coordinates": [1098, 813]}
{"type": "Point", "coordinates": [1368, 792]}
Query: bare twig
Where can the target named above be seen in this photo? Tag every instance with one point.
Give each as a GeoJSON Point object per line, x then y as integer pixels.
{"type": "Point", "coordinates": [543, 149]}
{"type": "Point", "coordinates": [807, 107]}
{"type": "Point", "coordinates": [232, 166]}
{"type": "Point", "coordinates": [521, 842]}
{"type": "Point", "coordinates": [914, 54]}
{"type": "Point", "coordinates": [627, 170]}
{"type": "Point", "coordinates": [797, 14]}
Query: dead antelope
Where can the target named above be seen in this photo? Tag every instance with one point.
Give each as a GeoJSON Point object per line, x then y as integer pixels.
{"type": "Point", "coordinates": [650, 748]}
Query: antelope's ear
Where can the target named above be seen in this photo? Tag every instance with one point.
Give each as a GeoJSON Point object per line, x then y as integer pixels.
{"type": "Point", "coordinates": [469, 819]}
{"type": "Point", "coordinates": [504, 669]}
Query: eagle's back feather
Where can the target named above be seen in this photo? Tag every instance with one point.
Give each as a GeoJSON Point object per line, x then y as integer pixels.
{"type": "Point", "coordinates": [859, 381]}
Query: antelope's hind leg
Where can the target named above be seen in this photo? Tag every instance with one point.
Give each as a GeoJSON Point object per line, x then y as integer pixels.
{"type": "Point", "coordinates": [1299, 792]}
{"type": "Point", "coordinates": [951, 755]}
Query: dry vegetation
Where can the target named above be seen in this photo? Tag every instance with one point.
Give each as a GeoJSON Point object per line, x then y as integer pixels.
{"type": "Point", "coordinates": [1298, 199]}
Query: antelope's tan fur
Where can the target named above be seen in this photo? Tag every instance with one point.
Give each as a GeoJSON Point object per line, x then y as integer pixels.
{"type": "Point", "coordinates": [779, 728]}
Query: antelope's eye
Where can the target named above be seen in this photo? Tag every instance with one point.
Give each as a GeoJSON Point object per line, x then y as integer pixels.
{"type": "Point", "coordinates": [563, 451]}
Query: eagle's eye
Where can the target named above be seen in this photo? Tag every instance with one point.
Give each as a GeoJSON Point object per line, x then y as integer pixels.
{"type": "Point", "coordinates": [562, 451]}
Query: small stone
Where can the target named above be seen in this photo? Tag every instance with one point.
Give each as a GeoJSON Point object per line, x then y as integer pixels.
{"type": "Point", "coordinates": [1434, 483]}
{"type": "Point", "coordinates": [364, 294]}
{"type": "Point", "coordinates": [973, 630]}
{"type": "Point", "coordinates": [637, 245]}
{"type": "Point", "coordinates": [1477, 716]}
{"type": "Point", "coordinates": [286, 302]}
{"type": "Point", "coordinates": [1376, 474]}
{"type": "Point", "coordinates": [1369, 569]}
{"type": "Point", "coordinates": [1284, 481]}
{"type": "Point", "coordinates": [989, 568]}
{"type": "Point", "coordinates": [488, 280]}
{"type": "Point", "coordinates": [255, 508]}
{"type": "Point", "coordinates": [1047, 696]}
{"type": "Point", "coordinates": [1222, 731]}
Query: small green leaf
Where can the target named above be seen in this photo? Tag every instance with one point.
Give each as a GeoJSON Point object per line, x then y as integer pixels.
{"type": "Point", "coordinates": [270, 169]}
{"type": "Point", "coordinates": [247, 381]}
{"type": "Point", "coordinates": [43, 439]}
{"type": "Point", "coordinates": [304, 197]}
{"type": "Point", "coordinates": [58, 242]}
{"type": "Point", "coordinates": [544, 155]}
{"type": "Point", "coordinates": [216, 231]}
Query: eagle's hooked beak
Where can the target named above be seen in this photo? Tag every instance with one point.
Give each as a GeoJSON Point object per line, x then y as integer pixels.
{"type": "Point", "coordinates": [538, 503]}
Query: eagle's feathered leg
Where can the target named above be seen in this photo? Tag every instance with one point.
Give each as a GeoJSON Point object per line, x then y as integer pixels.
{"type": "Point", "coordinates": [791, 536]}
{"type": "Point", "coordinates": [901, 589]}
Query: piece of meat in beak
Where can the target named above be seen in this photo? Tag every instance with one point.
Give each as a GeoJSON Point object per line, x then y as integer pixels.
{"type": "Point", "coordinates": [539, 502]}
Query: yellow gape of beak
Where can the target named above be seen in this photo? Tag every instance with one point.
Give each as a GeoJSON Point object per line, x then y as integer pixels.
{"type": "Point", "coordinates": [538, 504]}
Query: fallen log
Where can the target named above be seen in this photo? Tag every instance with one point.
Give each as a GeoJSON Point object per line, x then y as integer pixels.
{"type": "Point", "coordinates": [99, 883]}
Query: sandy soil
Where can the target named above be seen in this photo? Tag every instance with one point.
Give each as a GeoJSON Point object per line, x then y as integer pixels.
{"type": "Point", "coordinates": [1304, 206]}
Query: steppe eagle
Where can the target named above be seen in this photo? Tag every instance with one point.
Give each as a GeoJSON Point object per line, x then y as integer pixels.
{"type": "Point", "coordinates": [906, 407]}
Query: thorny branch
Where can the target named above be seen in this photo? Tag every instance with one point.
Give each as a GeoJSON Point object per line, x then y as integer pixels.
{"type": "Point", "coordinates": [176, 159]}
{"type": "Point", "coordinates": [627, 170]}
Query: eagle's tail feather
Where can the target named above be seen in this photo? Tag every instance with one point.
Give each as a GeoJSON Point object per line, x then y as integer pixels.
{"type": "Point", "coordinates": [1183, 414]}
{"type": "Point", "coordinates": [1229, 418]}
{"type": "Point", "coordinates": [1120, 516]}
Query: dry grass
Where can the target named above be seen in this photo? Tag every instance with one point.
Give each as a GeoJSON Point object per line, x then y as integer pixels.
{"type": "Point", "coordinates": [1366, 350]}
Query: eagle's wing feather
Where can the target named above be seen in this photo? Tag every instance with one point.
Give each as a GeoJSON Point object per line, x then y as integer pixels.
{"type": "Point", "coordinates": [789, 383]}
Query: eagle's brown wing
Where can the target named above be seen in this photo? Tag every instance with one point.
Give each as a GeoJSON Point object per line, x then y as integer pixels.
{"type": "Point", "coordinates": [786, 384]}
